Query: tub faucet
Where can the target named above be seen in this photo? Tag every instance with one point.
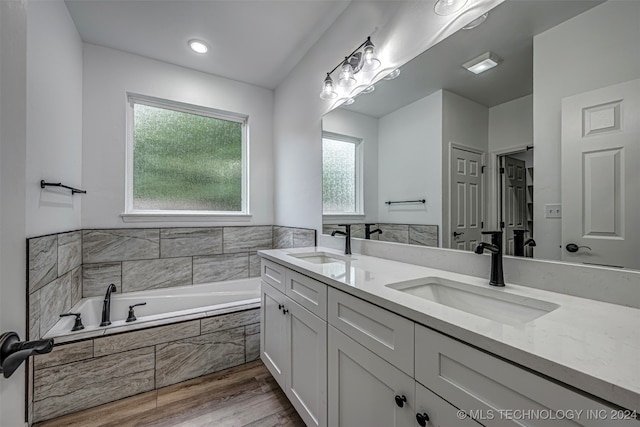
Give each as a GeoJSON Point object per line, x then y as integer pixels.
{"type": "Point", "coordinates": [106, 306]}
{"type": "Point", "coordinates": [495, 247]}
{"type": "Point", "coordinates": [347, 234]}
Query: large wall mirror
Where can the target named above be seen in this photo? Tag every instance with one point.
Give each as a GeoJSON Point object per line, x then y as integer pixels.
{"type": "Point", "coordinates": [545, 145]}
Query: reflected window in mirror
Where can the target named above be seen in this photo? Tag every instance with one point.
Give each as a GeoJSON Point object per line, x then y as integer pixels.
{"type": "Point", "coordinates": [341, 174]}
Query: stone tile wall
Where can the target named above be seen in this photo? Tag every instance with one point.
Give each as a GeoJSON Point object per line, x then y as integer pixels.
{"type": "Point", "coordinates": [83, 374]}
{"type": "Point", "coordinates": [414, 234]}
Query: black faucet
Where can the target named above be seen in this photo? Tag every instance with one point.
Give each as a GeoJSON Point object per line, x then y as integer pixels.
{"type": "Point", "coordinates": [106, 306]}
{"type": "Point", "coordinates": [495, 247]}
{"type": "Point", "coordinates": [347, 234]}
{"type": "Point", "coordinates": [368, 232]}
{"type": "Point", "coordinates": [519, 243]}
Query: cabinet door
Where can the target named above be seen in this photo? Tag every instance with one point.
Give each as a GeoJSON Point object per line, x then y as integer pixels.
{"type": "Point", "coordinates": [437, 412]}
{"type": "Point", "coordinates": [307, 376]}
{"type": "Point", "coordinates": [363, 387]}
{"type": "Point", "coordinates": [273, 333]}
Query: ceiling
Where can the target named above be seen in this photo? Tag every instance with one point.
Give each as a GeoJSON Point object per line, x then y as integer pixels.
{"type": "Point", "coordinates": [508, 32]}
{"type": "Point", "coordinates": [252, 41]}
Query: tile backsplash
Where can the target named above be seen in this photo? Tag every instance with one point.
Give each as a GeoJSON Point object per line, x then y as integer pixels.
{"type": "Point", "coordinates": [65, 267]}
{"type": "Point", "coordinates": [414, 234]}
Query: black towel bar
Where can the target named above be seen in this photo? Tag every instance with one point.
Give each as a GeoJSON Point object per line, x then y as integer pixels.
{"type": "Point", "coordinates": [59, 184]}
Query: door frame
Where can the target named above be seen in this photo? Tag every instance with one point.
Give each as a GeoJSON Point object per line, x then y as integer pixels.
{"type": "Point", "coordinates": [446, 233]}
{"type": "Point", "coordinates": [495, 178]}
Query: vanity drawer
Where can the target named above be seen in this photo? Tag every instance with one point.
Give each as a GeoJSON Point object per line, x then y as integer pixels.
{"type": "Point", "coordinates": [307, 292]}
{"type": "Point", "coordinates": [273, 274]}
{"type": "Point", "coordinates": [494, 391]}
{"type": "Point", "coordinates": [386, 334]}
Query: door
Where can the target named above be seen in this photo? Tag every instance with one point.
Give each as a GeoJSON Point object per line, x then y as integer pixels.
{"type": "Point", "coordinates": [514, 202]}
{"type": "Point", "coordinates": [437, 412]}
{"type": "Point", "coordinates": [465, 196]}
{"type": "Point", "coordinates": [363, 387]}
{"type": "Point", "coordinates": [307, 376]}
{"type": "Point", "coordinates": [600, 175]}
{"type": "Point", "coordinates": [273, 333]}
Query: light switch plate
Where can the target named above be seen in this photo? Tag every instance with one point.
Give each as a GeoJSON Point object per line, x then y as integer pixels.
{"type": "Point", "coordinates": [553, 211]}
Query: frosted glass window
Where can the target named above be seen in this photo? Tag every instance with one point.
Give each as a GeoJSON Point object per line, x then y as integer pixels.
{"type": "Point", "coordinates": [339, 176]}
{"type": "Point", "coordinates": [186, 161]}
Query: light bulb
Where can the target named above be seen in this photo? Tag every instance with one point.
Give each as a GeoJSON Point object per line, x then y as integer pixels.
{"type": "Point", "coordinates": [346, 75]}
{"type": "Point", "coordinates": [327, 89]}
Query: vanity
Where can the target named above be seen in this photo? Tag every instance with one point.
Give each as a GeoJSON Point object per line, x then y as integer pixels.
{"type": "Point", "coordinates": [365, 341]}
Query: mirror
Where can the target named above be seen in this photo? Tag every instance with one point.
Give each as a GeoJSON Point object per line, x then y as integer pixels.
{"type": "Point", "coordinates": [556, 115]}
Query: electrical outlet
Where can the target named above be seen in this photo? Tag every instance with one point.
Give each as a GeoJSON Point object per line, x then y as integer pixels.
{"type": "Point", "coordinates": [553, 211]}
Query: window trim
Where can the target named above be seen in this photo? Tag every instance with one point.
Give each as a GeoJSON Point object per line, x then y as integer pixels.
{"type": "Point", "coordinates": [359, 146]}
{"type": "Point", "coordinates": [138, 215]}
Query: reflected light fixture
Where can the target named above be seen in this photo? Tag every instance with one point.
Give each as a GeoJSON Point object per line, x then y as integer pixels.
{"type": "Point", "coordinates": [198, 46]}
{"type": "Point", "coordinates": [363, 58]}
{"type": "Point", "coordinates": [476, 22]}
{"type": "Point", "coordinates": [349, 101]}
{"type": "Point", "coordinates": [392, 75]}
{"type": "Point", "coordinates": [448, 7]}
{"type": "Point", "coordinates": [482, 63]}
{"type": "Point", "coordinates": [369, 89]}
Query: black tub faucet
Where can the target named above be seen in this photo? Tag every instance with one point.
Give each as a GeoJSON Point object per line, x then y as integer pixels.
{"type": "Point", "coordinates": [106, 306]}
{"type": "Point", "coordinates": [495, 247]}
{"type": "Point", "coordinates": [347, 234]}
{"type": "Point", "coordinates": [368, 231]}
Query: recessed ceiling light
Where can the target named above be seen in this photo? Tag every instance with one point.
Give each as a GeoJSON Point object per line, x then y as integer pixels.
{"type": "Point", "coordinates": [392, 75]}
{"type": "Point", "coordinates": [482, 63]}
{"type": "Point", "coordinates": [198, 46]}
{"type": "Point", "coordinates": [476, 22]}
{"type": "Point", "coordinates": [448, 7]}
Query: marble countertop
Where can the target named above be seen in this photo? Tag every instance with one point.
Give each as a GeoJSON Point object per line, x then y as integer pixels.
{"type": "Point", "coordinates": [591, 345]}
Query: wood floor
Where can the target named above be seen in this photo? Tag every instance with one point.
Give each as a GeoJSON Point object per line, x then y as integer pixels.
{"type": "Point", "coordinates": [246, 395]}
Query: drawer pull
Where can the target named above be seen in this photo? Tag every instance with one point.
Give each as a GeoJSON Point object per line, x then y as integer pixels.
{"type": "Point", "coordinates": [422, 419]}
{"type": "Point", "coordinates": [400, 400]}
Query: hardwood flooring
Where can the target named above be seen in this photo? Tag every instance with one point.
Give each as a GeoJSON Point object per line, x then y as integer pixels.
{"type": "Point", "coordinates": [246, 395]}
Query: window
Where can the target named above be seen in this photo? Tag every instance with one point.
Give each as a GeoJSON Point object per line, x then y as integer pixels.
{"type": "Point", "coordinates": [341, 174]}
{"type": "Point", "coordinates": [185, 159]}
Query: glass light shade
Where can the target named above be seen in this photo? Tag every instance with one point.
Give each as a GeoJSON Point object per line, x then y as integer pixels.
{"type": "Point", "coordinates": [349, 101]}
{"type": "Point", "coordinates": [448, 7]}
{"type": "Point", "coordinates": [346, 75]}
{"type": "Point", "coordinates": [369, 89]}
{"type": "Point", "coordinates": [328, 91]}
{"type": "Point", "coordinates": [370, 61]}
{"type": "Point", "coordinates": [392, 75]}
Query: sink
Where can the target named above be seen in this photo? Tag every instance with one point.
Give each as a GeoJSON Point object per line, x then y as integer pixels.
{"type": "Point", "coordinates": [319, 257]}
{"type": "Point", "coordinates": [493, 304]}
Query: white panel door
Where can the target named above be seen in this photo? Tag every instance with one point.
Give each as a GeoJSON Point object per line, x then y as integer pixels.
{"type": "Point", "coordinates": [307, 376]}
{"type": "Point", "coordinates": [363, 387]}
{"type": "Point", "coordinates": [601, 176]}
{"type": "Point", "coordinates": [466, 199]}
{"type": "Point", "coordinates": [273, 333]}
{"type": "Point", "coordinates": [514, 202]}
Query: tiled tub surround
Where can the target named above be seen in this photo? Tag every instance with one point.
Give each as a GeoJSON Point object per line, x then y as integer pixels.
{"type": "Point", "coordinates": [83, 374]}
{"type": "Point", "coordinates": [413, 234]}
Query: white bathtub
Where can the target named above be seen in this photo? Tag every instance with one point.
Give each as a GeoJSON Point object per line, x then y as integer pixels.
{"type": "Point", "coordinates": [163, 306]}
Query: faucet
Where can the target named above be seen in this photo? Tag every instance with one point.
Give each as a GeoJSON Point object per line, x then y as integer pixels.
{"type": "Point", "coordinates": [519, 243]}
{"type": "Point", "coordinates": [495, 247]}
{"type": "Point", "coordinates": [106, 306]}
{"type": "Point", "coordinates": [347, 234]}
{"type": "Point", "coordinates": [368, 232]}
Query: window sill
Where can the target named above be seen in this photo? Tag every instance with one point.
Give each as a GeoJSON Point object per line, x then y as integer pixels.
{"type": "Point", "coordinates": [185, 216]}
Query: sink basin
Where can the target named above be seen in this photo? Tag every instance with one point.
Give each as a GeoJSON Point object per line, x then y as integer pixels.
{"type": "Point", "coordinates": [319, 257]}
{"type": "Point", "coordinates": [493, 304]}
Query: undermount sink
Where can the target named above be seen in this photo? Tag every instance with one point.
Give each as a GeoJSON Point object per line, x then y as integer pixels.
{"type": "Point", "coordinates": [319, 257]}
{"type": "Point", "coordinates": [493, 304]}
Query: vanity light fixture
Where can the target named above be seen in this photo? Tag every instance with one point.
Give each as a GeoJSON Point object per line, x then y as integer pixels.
{"type": "Point", "coordinates": [198, 46]}
{"type": "Point", "coordinates": [448, 7]}
{"type": "Point", "coordinates": [363, 58]}
{"type": "Point", "coordinates": [482, 63]}
{"type": "Point", "coordinates": [392, 75]}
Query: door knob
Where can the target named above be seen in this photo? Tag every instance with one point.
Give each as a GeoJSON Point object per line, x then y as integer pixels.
{"type": "Point", "coordinates": [456, 234]}
{"type": "Point", "coordinates": [422, 419]}
{"type": "Point", "coordinates": [400, 400]}
{"type": "Point", "coordinates": [572, 247]}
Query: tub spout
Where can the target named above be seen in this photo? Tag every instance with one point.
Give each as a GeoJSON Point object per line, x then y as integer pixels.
{"type": "Point", "coordinates": [106, 306]}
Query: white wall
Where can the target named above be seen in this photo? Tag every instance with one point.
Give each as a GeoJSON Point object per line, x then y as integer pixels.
{"type": "Point", "coordinates": [401, 31]}
{"type": "Point", "coordinates": [595, 49]}
{"type": "Point", "coordinates": [410, 162]}
{"type": "Point", "coordinates": [13, 135]}
{"type": "Point", "coordinates": [54, 118]}
{"type": "Point", "coordinates": [361, 126]}
{"type": "Point", "coordinates": [466, 123]}
{"type": "Point", "coordinates": [108, 75]}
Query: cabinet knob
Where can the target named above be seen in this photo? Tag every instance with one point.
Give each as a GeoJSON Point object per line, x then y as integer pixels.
{"type": "Point", "coordinates": [280, 306]}
{"type": "Point", "coordinates": [400, 400]}
{"type": "Point", "coordinates": [285, 311]}
{"type": "Point", "coordinates": [422, 419]}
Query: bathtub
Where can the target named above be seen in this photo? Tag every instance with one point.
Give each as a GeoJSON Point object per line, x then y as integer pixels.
{"type": "Point", "coordinates": [163, 306]}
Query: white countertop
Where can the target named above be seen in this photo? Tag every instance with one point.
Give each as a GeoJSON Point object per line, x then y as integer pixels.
{"type": "Point", "coordinates": [591, 345]}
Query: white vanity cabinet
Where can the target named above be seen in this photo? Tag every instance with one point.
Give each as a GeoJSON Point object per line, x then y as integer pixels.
{"type": "Point", "coordinates": [293, 342]}
{"type": "Point", "coordinates": [434, 411]}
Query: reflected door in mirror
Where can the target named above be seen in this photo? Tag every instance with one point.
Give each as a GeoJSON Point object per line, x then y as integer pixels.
{"type": "Point", "coordinates": [466, 198]}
